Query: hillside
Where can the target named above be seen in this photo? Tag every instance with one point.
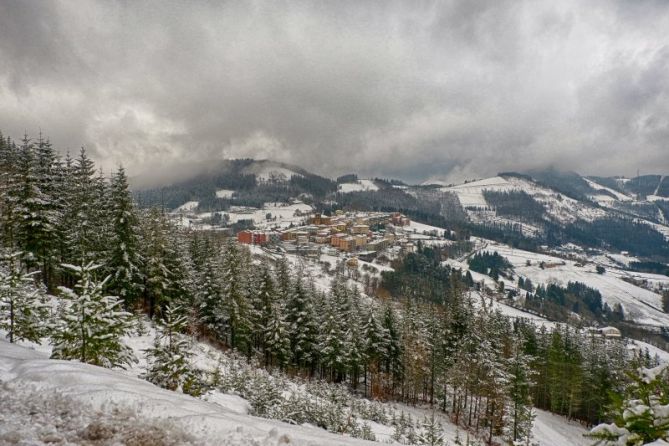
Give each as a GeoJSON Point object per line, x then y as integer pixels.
{"type": "Point", "coordinates": [96, 403]}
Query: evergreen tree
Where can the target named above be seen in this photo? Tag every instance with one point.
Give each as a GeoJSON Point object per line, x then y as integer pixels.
{"type": "Point", "coordinates": [642, 416]}
{"type": "Point", "coordinates": [520, 414]}
{"type": "Point", "coordinates": [209, 297]}
{"type": "Point", "coordinates": [169, 361]}
{"type": "Point", "coordinates": [23, 311]}
{"type": "Point", "coordinates": [80, 224]}
{"type": "Point", "coordinates": [10, 193]}
{"type": "Point", "coordinates": [302, 327]}
{"type": "Point", "coordinates": [432, 433]}
{"type": "Point", "coordinates": [332, 342]}
{"type": "Point", "coordinates": [156, 272]}
{"type": "Point", "coordinates": [235, 299]}
{"type": "Point", "coordinates": [125, 262]}
{"type": "Point", "coordinates": [276, 337]}
{"type": "Point", "coordinates": [90, 325]}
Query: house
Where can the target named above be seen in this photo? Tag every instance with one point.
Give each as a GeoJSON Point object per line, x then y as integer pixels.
{"type": "Point", "coordinates": [400, 220]}
{"type": "Point", "coordinates": [610, 332]}
{"type": "Point", "coordinates": [253, 237]}
{"type": "Point", "coordinates": [319, 219]}
{"type": "Point", "coordinates": [336, 239]}
{"type": "Point", "coordinates": [347, 244]}
{"type": "Point", "coordinates": [359, 229]}
{"type": "Point", "coordinates": [605, 332]}
{"type": "Point", "coordinates": [360, 240]}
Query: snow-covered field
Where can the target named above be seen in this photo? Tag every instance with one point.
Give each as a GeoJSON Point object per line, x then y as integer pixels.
{"type": "Point", "coordinates": [187, 206]}
{"type": "Point", "coordinates": [281, 215]}
{"type": "Point", "coordinates": [605, 198]}
{"type": "Point", "coordinates": [224, 193]}
{"type": "Point", "coordinates": [265, 171]}
{"type": "Point", "coordinates": [640, 304]}
{"type": "Point", "coordinates": [359, 186]}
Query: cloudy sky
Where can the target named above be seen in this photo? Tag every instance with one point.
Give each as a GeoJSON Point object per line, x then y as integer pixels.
{"type": "Point", "coordinates": [450, 90]}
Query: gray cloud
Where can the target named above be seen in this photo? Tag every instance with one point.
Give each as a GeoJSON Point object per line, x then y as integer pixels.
{"type": "Point", "coordinates": [414, 90]}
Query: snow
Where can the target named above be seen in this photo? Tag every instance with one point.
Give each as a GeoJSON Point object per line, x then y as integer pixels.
{"type": "Point", "coordinates": [605, 198]}
{"type": "Point", "coordinates": [284, 213]}
{"type": "Point", "coordinates": [188, 206]}
{"type": "Point", "coordinates": [92, 397]}
{"type": "Point", "coordinates": [359, 186]}
{"type": "Point", "coordinates": [24, 372]}
{"type": "Point", "coordinates": [421, 228]}
{"type": "Point", "coordinates": [553, 430]}
{"type": "Point", "coordinates": [278, 173]}
{"type": "Point", "coordinates": [558, 206]}
{"type": "Point", "coordinates": [224, 193]}
{"type": "Point", "coordinates": [471, 194]}
{"type": "Point", "coordinates": [640, 305]}
{"type": "Point", "coordinates": [654, 351]}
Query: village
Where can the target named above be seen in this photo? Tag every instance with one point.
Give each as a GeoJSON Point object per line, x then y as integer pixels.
{"type": "Point", "coordinates": [364, 234]}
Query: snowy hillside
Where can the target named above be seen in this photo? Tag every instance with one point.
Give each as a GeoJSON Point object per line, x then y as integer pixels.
{"type": "Point", "coordinates": [358, 186]}
{"type": "Point", "coordinates": [269, 170]}
{"type": "Point", "coordinates": [30, 379]}
{"type": "Point", "coordinates": [641, 305]}
{"type": "Point", "coordinates": [96, 401]}
{"type": "Point", "coordinates": [559, 207]}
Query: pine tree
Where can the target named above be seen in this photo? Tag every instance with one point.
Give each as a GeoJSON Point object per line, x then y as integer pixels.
{"type": "Point", "coordinates": [520, 415]}
{"type": "Point", "coordinates": [46, 209]}
{"type": "Point", "coordinates": [10, 193]}
{"type": "Point", "coordinates": [376, 339]}
{"type": "Point", "coordinates": [642, 416]}
{"type": "Point", "coordinates": [276, 337]}
{"type": "Point", "coordinates": [391, 357]}
{"type": "Point", "coordinates": [209, 294]}
{"type": "Point", "coordinates": [90, 324]}
{"type": "Point", "coordinates": [235, 299]}
{"type": "Point", "coordinates": [156, 272]}
{"type": "Point", "coordinates": [332, 343]}
{"type": "Point", "coordinates": [125, 262]}
{"type": "Point", "coordinates": [23, 310]}
{"type": "Point", "coordinates": [169, 361]}
{"type": "Point", "coordinates": [432, 433]}
{"type": "Point", "coordinates": [302, 327]}
{"type": "Point", "coordinates": [80, 218]}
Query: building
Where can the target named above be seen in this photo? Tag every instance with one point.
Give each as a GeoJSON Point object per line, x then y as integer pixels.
{"type": "Point", "coordinates": [610, 332]}
{"type": "Point", "coordinates": [245, 237]}
{"type": "Point", "coordinates": [319, 219]}
{"type": "Point", "coordinates": [360, 240]}
{"type": "Point", "coordinates": [347, 244]}
{"type": "Point", "coordinates": [254, 237]}
{"type": "Point", "coordinates": [335, 240]}
{"type": "Point", "coordinates": [322, 237]}
{"type": "Point", "coordinates": [359, 229]}
{"type": "Point", "coordinates": [400, 220]}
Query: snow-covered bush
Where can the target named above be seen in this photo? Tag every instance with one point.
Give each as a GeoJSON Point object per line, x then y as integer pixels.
{"type": "Point", "coordinates": [273, 395]}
